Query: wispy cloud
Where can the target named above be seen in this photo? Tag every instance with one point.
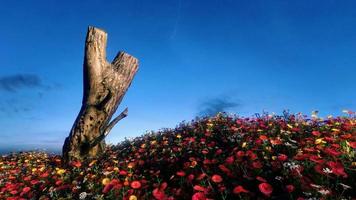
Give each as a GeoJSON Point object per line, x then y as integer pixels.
{"type": "Point", "coordinates": [16, 82]}
{"type": "Point", "coordinates": [19, 92]}
{"type": "Point", "coordinates": [215, 105]}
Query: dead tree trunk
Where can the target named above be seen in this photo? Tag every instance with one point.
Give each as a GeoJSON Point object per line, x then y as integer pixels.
{"type": "Point", "coordinates": [105, 84]}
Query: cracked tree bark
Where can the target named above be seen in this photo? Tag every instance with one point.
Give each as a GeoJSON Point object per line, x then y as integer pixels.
{"type": "Point", "coordinates": [105, 84]}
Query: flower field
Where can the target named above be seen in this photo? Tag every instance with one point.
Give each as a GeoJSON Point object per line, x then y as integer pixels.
{"type": "Point", "coordinates": [222, 157]}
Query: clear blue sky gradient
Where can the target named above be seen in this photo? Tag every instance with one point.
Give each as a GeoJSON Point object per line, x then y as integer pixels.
{"type": "Point", "coordinates": [265, 55]}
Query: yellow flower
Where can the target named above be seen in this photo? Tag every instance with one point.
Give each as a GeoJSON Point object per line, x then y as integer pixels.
{"type": "Point", "coordinates": [116, 169]}
{"type": "Point", "coordinates": [274, 157]}
{"type": "Point", "coordinates": [335, 130]}
{"type": "Point", "coordinates": [244, 145]}
{"type": "Point", "coordinates": [319, 141]}
{"type": "Point", "coordinates": [133, 197]}
{"type": "Point", "coordinates": [105, 181]}
{"type": "Point", "coordinates": [179, 136]}
{"type": "Point", "coordinates": [61, 171]}
{"type": "Point", "coordinates": [153, 142]}
{"type": "Point", "coordinates": [289, 126]}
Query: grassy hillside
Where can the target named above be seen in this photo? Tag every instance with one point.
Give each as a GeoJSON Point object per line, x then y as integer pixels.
{"type": "Point", "coordinates": [223, 157]}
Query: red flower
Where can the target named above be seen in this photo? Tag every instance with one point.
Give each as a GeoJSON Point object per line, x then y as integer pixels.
{"type": "Point", "coordinates": [199, 188]}
{"type": "Point", "coordinates": [257, 164]}
{"type": "Point", "coordinates": [290, 188]}
{"type": "Point", "coordinates": [205, 151]}
{"type": "Point", "coordinates": [201, 176]}
{"type": "Point", "coordinates": [319, 168]}
{"type": "Point", "coordinates": [251, 155]}
{"type": "Point", "coordinates": [59, 182]}
{"type": "Point", "coordinates": [44, 175]}
{"type": "Point", "coordinates": [216, 178]}
{"type": "Point", "coordinates": [218, 152]}
{"type": "Point", "coordinates": [225, 169]}
{"type": "Point", "coordinates": [332, 151]}
{"type": "Point", "coordinates": [240, 154]}
{"type": "Point", "coordinates": [282, 157]}
{"type": "Point", "coordinates": [265, 188]}
{"type": "Point", "coordinates": [239, 189]}
{"type": "Point", "coordinates": [26, 189]}
{"type": "Point", "coordinates": [159, 194]}
{"type": "Point", "coordinates": [180, 173]}
{"type": "Point", "coordinates": [263, 137]}
{"type": "Point", "coordinates": [123, 172]}
{"type": "Point", "coordinates": [230, 160]}
{"type": "Point", "coordinates": [107, 188]}
{"type": "Point", "coordinates": [190, 177]}
{"type": "Point", "coordinates": [337, 168]}
{"type": "Point", "coordinates": [77, 164]}
{"type": "Point", "coordinates": [13, 192]}
{"type": "Point", "coordinates": [135, 184]}
{"type": "Point", "coordinates": [316, 133]}
{"type": "Point", "coordinates": [261, 179]}
{"type": "Point", "coordinates": [352, 144]}
{"type": "Point", "coordinates": [114, 182]}
{"type": "Point", "coordinates": [199, 196]}
{"type": "Point", "coordinates": [316, 159]}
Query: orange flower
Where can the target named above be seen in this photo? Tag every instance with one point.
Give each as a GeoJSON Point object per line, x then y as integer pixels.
{"type": "Point", "coordinates": [135, 184]}
{"type": "Point", "coordinates": [216, 178]}
{"type": "Point", "coordinates": [76, 164]}
{"type": "Point", "coordinates": [263, 137]}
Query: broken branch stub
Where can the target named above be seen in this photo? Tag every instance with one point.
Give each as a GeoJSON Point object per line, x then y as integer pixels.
{"type": "Point", "coordinates": [105, 85]}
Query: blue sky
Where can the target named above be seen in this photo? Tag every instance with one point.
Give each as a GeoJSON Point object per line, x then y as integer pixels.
{"type": "Point", "coordinates": [195, 57]}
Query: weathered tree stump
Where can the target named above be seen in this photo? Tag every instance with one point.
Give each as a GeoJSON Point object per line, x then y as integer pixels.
{"type": "Point", "coordinates": [105, 84]}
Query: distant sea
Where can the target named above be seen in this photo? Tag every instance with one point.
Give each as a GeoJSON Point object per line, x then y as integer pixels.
{"type": "Point", "coordinates": [14, 149]}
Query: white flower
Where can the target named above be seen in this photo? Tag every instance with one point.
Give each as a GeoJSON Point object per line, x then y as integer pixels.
{"type": "Point", "coordinates": [345, 186]}
{"type": "Point", "coordinates": [82, 195]}
{"type": "Point", "coordinates": [324, 191]}
{"type": "Point", "coordinates": [327, 171]}
{"type": "Point", "coordinates": [315, 186]}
